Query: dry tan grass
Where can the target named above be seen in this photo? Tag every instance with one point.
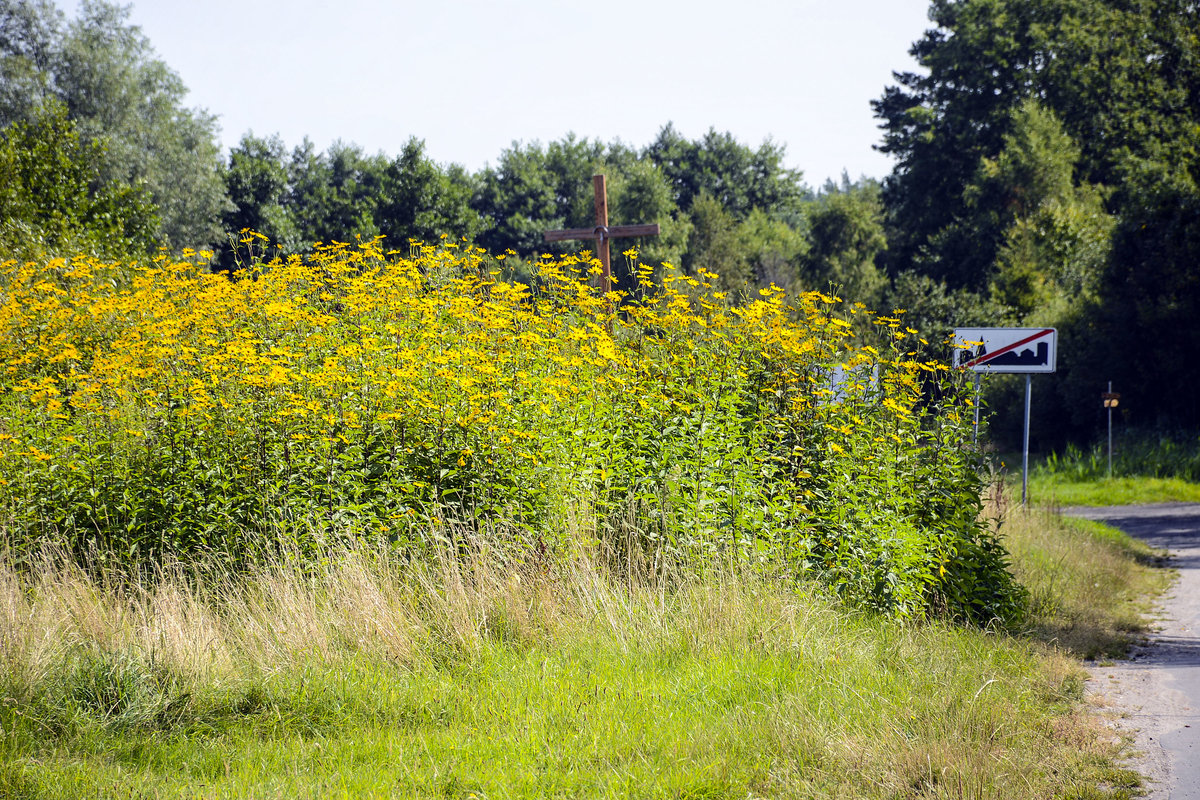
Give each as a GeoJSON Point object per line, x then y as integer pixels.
{"type": "Point", "coordinates": [1088, 592]}
{"type": "Point", "coordinates": [210, 629]}
{"type": "Point", "coordinates": [347, 602]}
{"type": "Point", "coordinates": [363, 601]}
{"type": "Point", "coordinates": [909, 711]}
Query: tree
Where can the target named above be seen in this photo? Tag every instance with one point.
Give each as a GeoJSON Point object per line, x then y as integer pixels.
{"type": "Point", "coordinates": [1121, 77]}
{"type": "Point", "coordinates": [773, 252]}
{"type": "Point", "coordinates": [1143, 328]}
{"type": "Point", "coordinates": [53, 201]}
{"type": "Point", "coordinates": [337, 195]}
{"type": "Point", "coordinates": [741, 179]}
{"type": "Point", "coordinates": [934, 309]}
{"type": "Point", "coordinates": [422, 201]}
{"type": "Point", "coordinates": [258, 187]}
{"type": "Point", "coordinates": [715, 246]}
{"type": "Point", "coordinates": [639, 194]}
{"type": "Point", "coordinates": [30, 34]}
{"type": "Point", "coordinates": [306, 197]}
{"type": "Point", "coordinates": [118, 93]}
{"type": "Point", "coordinates": [535, 188]}
{"type": "Point", "coordinates": [1048, 158]}
{"type": "Point", "coordinates": [1026, 232]}
{"type": "Point", "coordinates": [846, 235]}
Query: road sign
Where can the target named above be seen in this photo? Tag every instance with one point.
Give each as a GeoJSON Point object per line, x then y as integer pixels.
{"type": "Point", "coordinates": [1026, 350]}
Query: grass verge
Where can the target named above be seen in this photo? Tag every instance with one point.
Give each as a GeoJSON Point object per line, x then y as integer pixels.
{"type": "Point", "coordinates": [1090, 585]}
{"type": "Point", "coordinates": [1148, 466]}
{"type": "Point", "coordinates": [1057, 490]}
{"type": "Point", "coordinates": [366, 678]}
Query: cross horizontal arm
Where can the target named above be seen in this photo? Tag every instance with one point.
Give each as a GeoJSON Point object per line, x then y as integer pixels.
{"type": "Point", "coordinates": [613, 232]}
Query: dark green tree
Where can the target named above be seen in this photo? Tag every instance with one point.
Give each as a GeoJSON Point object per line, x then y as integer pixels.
{"type": "Point", "coordinates": [1121, 78]}
{"type": "Point", "coordinates": [535, 188]}
{"type": "Point", "coordinates": [1048, 157]}
{"type": "Point", "coordinates": [422, 201]}
{"type": "Point", "coordinates": [337, 195]}
{"type": "Point", "coordinates": [639, 194]}
{"type": "Point", "coordinates": [257, 182]}
{"type": "Point", "coordinates": [307, 197]}
{"type": "Point", "coordinates": [1032, 237]}
{"type": "Point", "coordinates": [740, 178]}
{"type": "Point", "coordinates": [716, 247]}
{"type": "Point", "coordinates": [773, 250]}
{"type": "Point", "coordinates": [1143, 332]}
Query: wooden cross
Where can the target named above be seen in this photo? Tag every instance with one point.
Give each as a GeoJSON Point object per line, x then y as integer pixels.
{"type": "Point", "coordinates": [602, 232]}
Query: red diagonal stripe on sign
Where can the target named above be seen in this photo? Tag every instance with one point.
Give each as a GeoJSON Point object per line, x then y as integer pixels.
{"type": "Point", "coordinates": [986, 357]}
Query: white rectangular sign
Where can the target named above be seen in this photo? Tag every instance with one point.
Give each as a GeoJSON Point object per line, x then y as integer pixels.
{"type": "Point", "coordinates": [1026, 350]}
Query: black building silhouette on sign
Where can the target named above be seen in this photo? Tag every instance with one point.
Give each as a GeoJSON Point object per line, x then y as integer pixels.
{"type": "Point", "coordinates": [1023, 358]}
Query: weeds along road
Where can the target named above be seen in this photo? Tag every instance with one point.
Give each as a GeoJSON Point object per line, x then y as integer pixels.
{"type": "Point", "coordinates": [1158, 688]}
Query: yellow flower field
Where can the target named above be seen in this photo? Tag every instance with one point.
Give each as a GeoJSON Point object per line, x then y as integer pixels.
{"type": "Point", "coordinates": [159, 409]}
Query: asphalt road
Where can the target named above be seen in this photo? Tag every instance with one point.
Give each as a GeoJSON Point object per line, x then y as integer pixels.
{"type": "Point", "coordinates": [1158, 688]}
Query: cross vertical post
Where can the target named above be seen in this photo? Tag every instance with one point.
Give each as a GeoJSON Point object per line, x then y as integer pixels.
{"type": "Point", "coordinates": [600, 188]}
{"type": "Point", "coordinates": [602, 232]}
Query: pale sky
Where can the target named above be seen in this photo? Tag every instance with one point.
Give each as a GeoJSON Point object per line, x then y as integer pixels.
{"type": "Point", "coordinates": [470, 77]}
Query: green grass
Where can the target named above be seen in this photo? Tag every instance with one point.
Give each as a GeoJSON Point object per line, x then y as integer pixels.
{"type": "Point", "coordinates": [1136, 452]}
{"type": "Point", "coordinates": [1148, 467]}
{"type": "Point", "coordinates": [591, 720]}
{"type": "Point", "coordinates": [1056, 491]}
{"type": "Point", "coordinates": [365, 678]}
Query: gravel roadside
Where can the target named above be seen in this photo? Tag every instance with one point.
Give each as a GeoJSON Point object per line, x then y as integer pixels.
{"type": "Point", "coordinates": [1157, 690]}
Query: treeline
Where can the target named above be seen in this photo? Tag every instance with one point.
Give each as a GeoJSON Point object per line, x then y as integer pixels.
{"type": "Point", "coordinates": [91, 94]}
{"type": "Point", "coordinates": [99, 151]}
{"type": "Point", "coordinates": [733, 209]}
{"type": "Point", "coordinates": [1047, 173]}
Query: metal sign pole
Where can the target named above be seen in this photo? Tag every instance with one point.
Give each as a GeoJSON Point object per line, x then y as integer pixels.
{"type": "Point", "coordinates": [1025, 455]}
{"type": "Point", "coordinates": [978, 383]}
{"type": "Point", "coordinates": [1108, 403]}
{"type": "Point", "coordinates": [1111, 400]}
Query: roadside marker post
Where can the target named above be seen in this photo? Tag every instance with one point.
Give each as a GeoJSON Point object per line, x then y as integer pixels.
{"type": "Point", "coordinates": [1110, 399]}
{"type": "Point", "coordinates": [1009, 350]}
